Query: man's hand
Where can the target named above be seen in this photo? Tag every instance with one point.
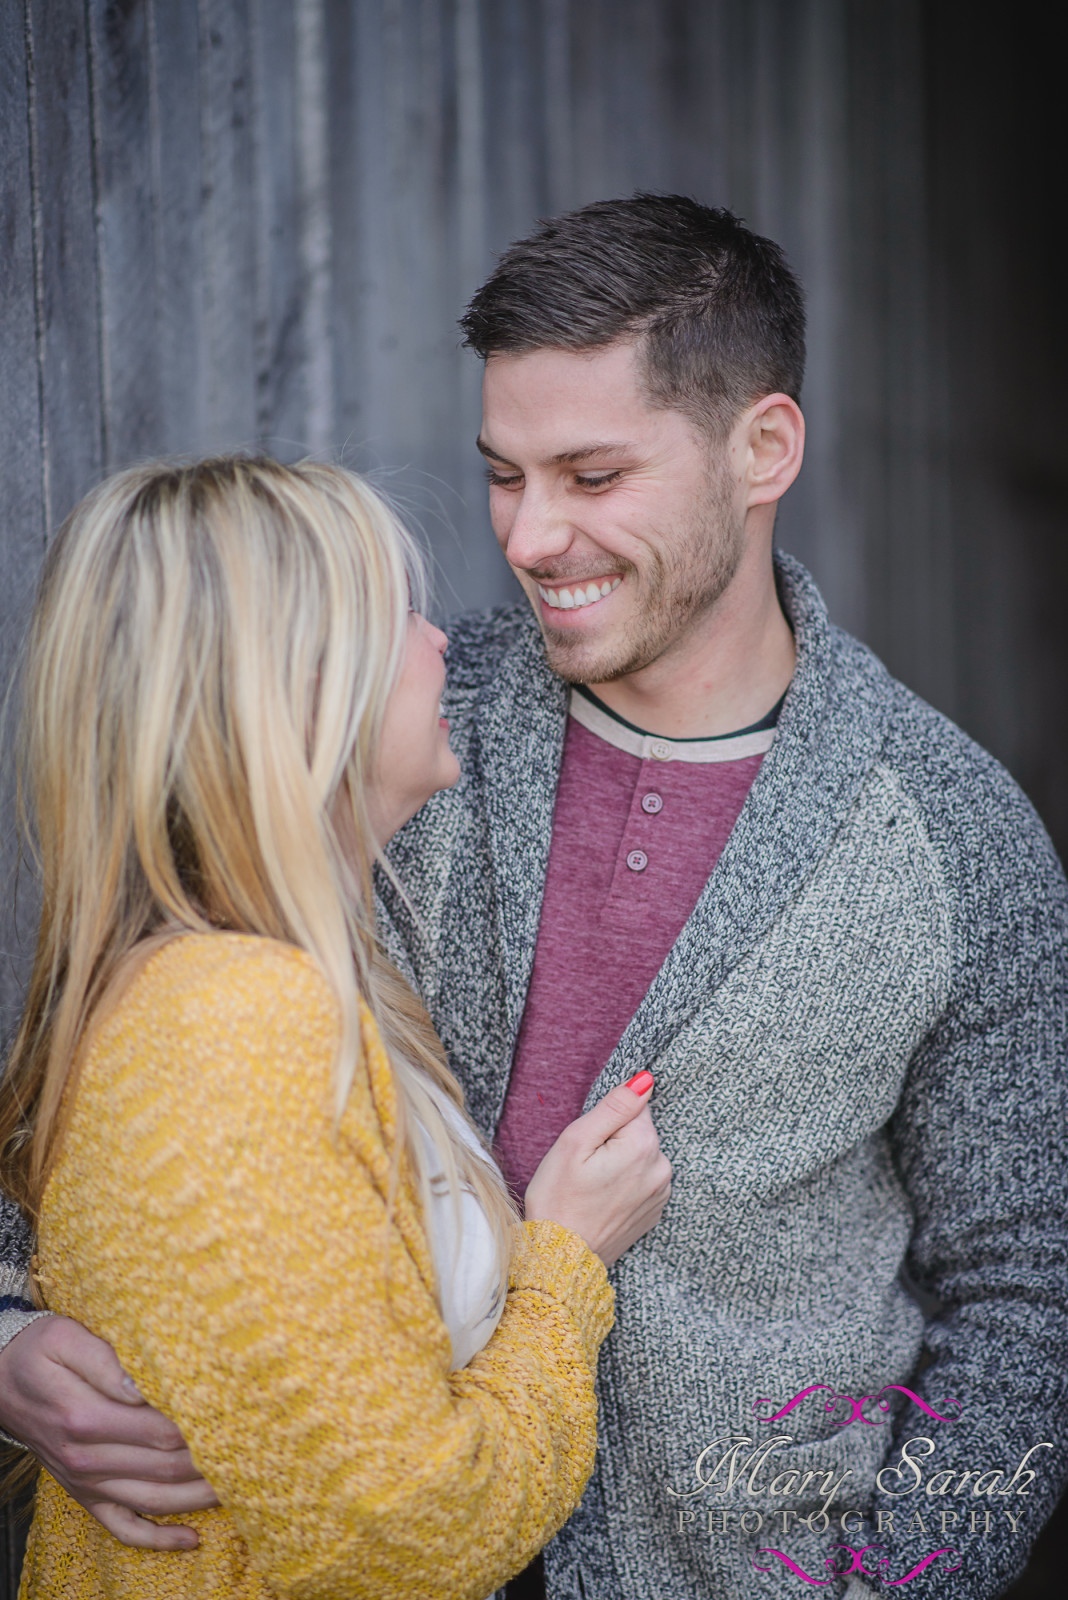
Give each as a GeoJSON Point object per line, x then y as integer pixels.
{"type": "Point", "coordinates": [63, 1393]}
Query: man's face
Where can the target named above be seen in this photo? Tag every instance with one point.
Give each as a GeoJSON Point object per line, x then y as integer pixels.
{"type": "Point", "coordinates": [623, 524]}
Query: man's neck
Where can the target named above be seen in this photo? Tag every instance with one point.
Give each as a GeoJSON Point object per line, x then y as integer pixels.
{"type": "Point", "coordinates": [724, 673]}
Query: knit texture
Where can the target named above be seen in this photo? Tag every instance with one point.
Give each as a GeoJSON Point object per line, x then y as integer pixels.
{"type": "Point", "coordinates": [859, 1045]}
{"type": "Point", "coordinates": [16, 1303]}
{"type": "Point", "coordinates": [16, 1296]}
{"type": "Point", "coordinates": [204, 1220]}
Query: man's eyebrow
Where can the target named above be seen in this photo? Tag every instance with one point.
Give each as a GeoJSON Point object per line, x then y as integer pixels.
{"type": "Point", "coordinates": [567, 458]}
{"type": "Point", "coordinates": [491, 455]}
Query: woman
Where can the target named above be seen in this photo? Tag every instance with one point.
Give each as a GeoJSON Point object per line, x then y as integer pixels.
{"type": "Point", "coordinates": [229, 1116]}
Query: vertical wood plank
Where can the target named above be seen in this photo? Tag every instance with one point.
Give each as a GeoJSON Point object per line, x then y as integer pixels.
{"type": "Point", "coordinates": [595, 176]}
{"type": "Point", "coordinates": [696, 102]}
{"type": "Point", "coordinates": [231, 291]}
{"type": "Point", "coordinates": [515, 153]}
{"type": "Point", "coordinates": [126, 221]}
{"type": "Point", "coordinates": [20, 414]}
{"type": "Point", "coordinates": [373, 257]}
{"type": "Point", "coordinates": [561, 178]}
{"type": "Point", "coordinates": [181, 268]}
{"type": "Point", "coordinates": [480, 580]}
{"type": "Point", "coordinates": [894, 356]}
{"type": "Point", "coordinates": [294, 377]}
{"type": "Point", "coordinates": [819, 520]}
{"type": "Point", "coordinates": [312, 135]}
{"type": "Point", "coordinates": [69, 330]}
{"type": "Point", "coordinates": [343, 178]}
{"type": "Point", "coordinates": [279, 330]}
{"type": "Point", "coordinates": [22, 523]}
{"type": "Point", "coordinates": [995, 140]}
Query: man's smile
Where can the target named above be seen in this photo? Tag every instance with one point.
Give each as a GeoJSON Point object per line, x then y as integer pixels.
{"type": "Point", "coordinates": [574, 596]}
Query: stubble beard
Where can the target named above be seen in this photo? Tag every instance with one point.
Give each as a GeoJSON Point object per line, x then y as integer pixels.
{"type": "Point", "coordinates": [687, 575]}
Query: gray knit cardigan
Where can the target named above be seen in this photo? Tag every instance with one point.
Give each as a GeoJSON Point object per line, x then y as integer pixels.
{"type": "Point", "coordinates": [859, 1044]}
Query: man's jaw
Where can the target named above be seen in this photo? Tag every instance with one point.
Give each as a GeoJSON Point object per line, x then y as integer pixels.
{"type": "Point", "coordinates": [586, 639]}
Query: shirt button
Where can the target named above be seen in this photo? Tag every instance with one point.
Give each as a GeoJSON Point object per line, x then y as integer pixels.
{"type": "Point", "coordinates": [652, 803]}
{"type": "Point", "coordinates": [660, 750]}
{"type": "Point", "coordinates": [637, 861]}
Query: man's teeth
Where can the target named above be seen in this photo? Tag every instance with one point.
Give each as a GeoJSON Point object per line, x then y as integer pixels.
{"type": "Point", "coordinates": [572, 599]}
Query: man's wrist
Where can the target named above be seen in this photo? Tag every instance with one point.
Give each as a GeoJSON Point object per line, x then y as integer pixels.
{"type": "Point", "coordinates": [16, 1314]}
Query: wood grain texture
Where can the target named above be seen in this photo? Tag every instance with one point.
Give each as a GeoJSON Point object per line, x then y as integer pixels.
{"type": "Point", "coordinates": [127, 240]}
{"type": "Point", "coordinates": [229, 214]}
{"type": "Point", "coordinates": [183, 352]}
{"type": "Point", "coordinates": [20, 379]}
{"type": "Point", "coordinates": [22, 519]}
{"type": "Point", "coordinates": [69, 314]}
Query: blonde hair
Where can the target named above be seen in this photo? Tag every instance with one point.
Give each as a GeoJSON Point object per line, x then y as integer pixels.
{"type": "Point", "coordinates": [207, 669]}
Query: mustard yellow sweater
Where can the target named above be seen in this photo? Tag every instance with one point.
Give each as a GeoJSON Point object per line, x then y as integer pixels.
{"type": "Point", "coordinates": [204, 1220]}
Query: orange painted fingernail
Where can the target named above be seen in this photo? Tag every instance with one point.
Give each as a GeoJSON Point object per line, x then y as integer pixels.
{"type": "Point", "coordinates": [641, 1082]}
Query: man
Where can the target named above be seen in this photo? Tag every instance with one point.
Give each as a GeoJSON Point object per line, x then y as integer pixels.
{"type": "Point", "coordinates": [700, 830]}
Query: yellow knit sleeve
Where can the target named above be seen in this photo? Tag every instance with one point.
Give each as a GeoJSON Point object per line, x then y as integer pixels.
{"type": "Point", "coordinates": [205, 1218]}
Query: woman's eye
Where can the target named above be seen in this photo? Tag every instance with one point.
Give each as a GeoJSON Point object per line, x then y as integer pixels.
{"type": "Point", "coordinates": [499, 481]}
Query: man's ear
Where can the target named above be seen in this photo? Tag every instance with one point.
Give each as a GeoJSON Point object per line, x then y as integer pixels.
{"type": "Point", "coordinates": [773, 441]}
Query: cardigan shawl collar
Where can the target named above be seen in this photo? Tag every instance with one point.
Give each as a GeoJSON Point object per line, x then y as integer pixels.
{"type": "Point", "coordinates": [475, 860]}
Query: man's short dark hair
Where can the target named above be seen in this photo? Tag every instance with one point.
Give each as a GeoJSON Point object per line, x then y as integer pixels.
{"type": "Point", "coordinates": [720, 315]}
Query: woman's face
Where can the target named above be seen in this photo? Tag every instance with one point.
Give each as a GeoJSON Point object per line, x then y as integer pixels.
{"type": "Point", "coordinates": [413, 760]}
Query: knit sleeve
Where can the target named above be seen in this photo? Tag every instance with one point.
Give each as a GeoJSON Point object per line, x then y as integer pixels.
{"type": "Point", "coordinates": [16, 1305]}
{"type": "Point", "coordinates": [245, 1263]}
{"type": "Point", "coordinates": [980, 1138]}
{"type": "Point", "coordinates": [16, 1246]}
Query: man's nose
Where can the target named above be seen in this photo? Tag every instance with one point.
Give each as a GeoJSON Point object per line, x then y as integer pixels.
{"type": "Point", "coordinates": [539, 531]}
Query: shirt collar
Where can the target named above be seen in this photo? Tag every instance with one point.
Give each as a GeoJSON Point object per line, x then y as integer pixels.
{"type": "Point", "coordinates": [597, 719]}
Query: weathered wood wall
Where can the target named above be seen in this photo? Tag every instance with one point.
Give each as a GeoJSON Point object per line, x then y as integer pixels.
{"type": "Point", "coordinates": [255, 221]}
{"type": "Point", "coordinates": [228, 222]}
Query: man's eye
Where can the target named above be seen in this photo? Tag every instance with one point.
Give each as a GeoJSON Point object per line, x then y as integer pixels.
{"type": "Point", "coordinates": [599, 480]}
{"type": "Point", "coordinates": [499, 481]}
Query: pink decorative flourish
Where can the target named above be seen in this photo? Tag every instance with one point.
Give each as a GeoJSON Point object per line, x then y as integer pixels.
{"type": "Point", "coordinates": [793, 1566]}
{"type": "Point", "coordinates": [882, 1564]}
{"type": "Point", "coordinates": [766, 1400]}
{"type": "Point", "coordinates": [857, 1563]}
{"type": "Point", "coordinates": [951, 1409]}
{"type": "Point", "coordinates": [948, 1412]}
{"type": "Point", "coordinates": [926, 1562]}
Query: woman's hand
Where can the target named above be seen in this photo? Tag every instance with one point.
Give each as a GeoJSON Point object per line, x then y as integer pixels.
{"type": "Point", "coordinates": [606, 1177]}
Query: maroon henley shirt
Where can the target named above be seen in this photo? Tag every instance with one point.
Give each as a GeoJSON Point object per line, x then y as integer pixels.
{"type": "Point", "coordinates": [639, 825]}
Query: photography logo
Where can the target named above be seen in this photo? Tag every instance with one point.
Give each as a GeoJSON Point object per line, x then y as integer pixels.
{"type": "Point", "coordinates": [737, 1465]}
